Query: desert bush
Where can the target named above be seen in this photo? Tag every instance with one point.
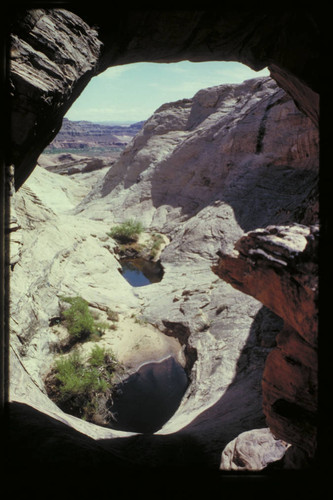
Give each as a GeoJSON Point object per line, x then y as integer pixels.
{"type": "Point", "coordinates": [126, 232]}
{"type": "Point", "coordinates": [103, 359]}
{"type": "Point", "coordinates": [100, 327]}
{"type": "Point", "coordinates": [80, 322]}
{"type": "Point", "coordinates": [77, 386]}
{"type": "Point", "coordinates": [77, 379]}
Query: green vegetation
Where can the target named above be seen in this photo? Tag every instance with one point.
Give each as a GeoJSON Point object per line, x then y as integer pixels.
{"type": "Point", "coordinates": [158, 240]}
{"type": "Point", "coordinates": [83, 387]}
{"type": "Point", "coordinates": [80, 322]}
{"type": "Point", "coordinates": [99, 356]}
{"type": "Point", "coordinates": [126, 232]}
{"type": "Point", "coordinates": [77, 386]}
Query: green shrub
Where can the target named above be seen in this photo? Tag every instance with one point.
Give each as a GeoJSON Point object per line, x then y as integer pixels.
{"type": "Point", "coordinates": [80, 322]}
{"type": "Point", "coordinates": [80, 385]}
{"type": "Point", "coordinates": [126, 232]}
{"type": "Point", "coordinates": [100, 327]}
{"type": "Point", "coordinates": [77, 379]}
{"type": "Point", "coordinates": [97, 356]}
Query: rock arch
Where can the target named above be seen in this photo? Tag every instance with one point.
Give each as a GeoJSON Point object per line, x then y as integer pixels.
{"type": "Point", "coordinates": [55, 53]}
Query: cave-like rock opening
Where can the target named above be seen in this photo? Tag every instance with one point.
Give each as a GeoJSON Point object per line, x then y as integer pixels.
{"type": "Point", "coordinates": [43, 85]}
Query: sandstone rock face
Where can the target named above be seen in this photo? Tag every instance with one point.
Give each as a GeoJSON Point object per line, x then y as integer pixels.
{"type": "Point", "coordinates": [230, 148]}
{"type": "Point", "coordinates": [45, 271]}
{"type": "Point", "coordinates": [85, 134]}
{"type": "Point", "coordinates": [278, 265]}
{"type": "Point", "coordinates": [283, 257]}
{"type": "Point", "coordinates": [55, 53]}
{"type": "Point", "coordinates": [70, 255]}
{"type": "Point", "coordinates": [192, 173]}
{"type": "Point", "coordinates": [261, 155]}
{"type": "Point", "coordinates": [70, 164]}
{"type": "Point", "coordinates": [53, 56]}
{"type": "Point", "coordinates": [266, 160]}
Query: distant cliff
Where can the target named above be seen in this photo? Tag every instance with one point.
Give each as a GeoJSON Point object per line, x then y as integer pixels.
{"type": "Point", "coordinates": [85, 134]}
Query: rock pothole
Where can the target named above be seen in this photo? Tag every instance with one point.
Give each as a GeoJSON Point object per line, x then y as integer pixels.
{"type": "Point", "coordinates": [129, 377]}
{"type": "Point", "coordinates": [141, 272]}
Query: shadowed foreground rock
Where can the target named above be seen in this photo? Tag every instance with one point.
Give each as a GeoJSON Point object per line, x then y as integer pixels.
{"type": "Point", "coordinates": [278, 266]}
{"type": "Point", "coordinates": [53, 57]}
{"type": "Point", "coordinates": [252, 450]}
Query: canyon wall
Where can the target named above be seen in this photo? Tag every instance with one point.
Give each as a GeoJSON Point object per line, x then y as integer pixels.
{"type": "Point", "coordinates": [192, 173]}
{"type": "Point", "coordinates": [54, 54]}
{"type": "Point", "coordinates": [243, 148]}
{"type": "Point", "coordinates": [247, 158]}
{"type": "Point", "coordinates": [84, 134]}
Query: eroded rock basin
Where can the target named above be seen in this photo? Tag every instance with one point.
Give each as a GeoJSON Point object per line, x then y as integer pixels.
{"type": "Point", "coordinates": [149, 397]}
{"type": "Point", "coordinates": [141, 272]}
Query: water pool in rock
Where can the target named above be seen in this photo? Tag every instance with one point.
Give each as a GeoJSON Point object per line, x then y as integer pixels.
{"type": "Point", "coordinates": [149, 397]}
{"type": "Point", "coordinates": [141, 272]}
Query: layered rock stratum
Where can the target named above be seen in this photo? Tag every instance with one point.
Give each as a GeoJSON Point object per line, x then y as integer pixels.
{"type": "Point", "coordinates": [202, 171]}
{"type": "Point", "coordinates": [278, 265]}
{"type": "Point", "coordinates": [86, 135]}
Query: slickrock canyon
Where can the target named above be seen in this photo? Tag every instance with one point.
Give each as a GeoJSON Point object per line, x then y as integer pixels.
{"type": "Point", "coordinates": [229, 180]}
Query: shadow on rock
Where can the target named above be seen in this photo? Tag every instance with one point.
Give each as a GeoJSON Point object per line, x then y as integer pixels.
{"type": "Point", "coordinates": [40, 440]}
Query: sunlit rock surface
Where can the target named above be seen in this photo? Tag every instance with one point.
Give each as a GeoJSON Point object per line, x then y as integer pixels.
{"type": "Point", "coordinates": [202, 171]}
{"type": "Point", "coordinates": [240, 152]}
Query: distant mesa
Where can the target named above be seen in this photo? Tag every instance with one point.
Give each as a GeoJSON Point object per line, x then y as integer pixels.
{"type": "Point", "coordinates": [85, 135]}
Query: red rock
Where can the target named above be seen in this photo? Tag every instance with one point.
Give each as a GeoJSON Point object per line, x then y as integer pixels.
{"type": "Point", "coordinates": [278, 266]}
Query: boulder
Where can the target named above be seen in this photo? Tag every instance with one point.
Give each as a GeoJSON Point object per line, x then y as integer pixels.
{"type": "Point", "coordinates": [253, 450]}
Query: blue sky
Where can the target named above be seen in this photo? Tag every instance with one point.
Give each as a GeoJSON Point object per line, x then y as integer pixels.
{"type": "Point", "coordinates": [134, 91]}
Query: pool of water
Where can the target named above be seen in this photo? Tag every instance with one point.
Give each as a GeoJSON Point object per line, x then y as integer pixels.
{"type": "Point", "coordinates": [141, 272]}
{"type": "Point", "coordinates": [149, 397]}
